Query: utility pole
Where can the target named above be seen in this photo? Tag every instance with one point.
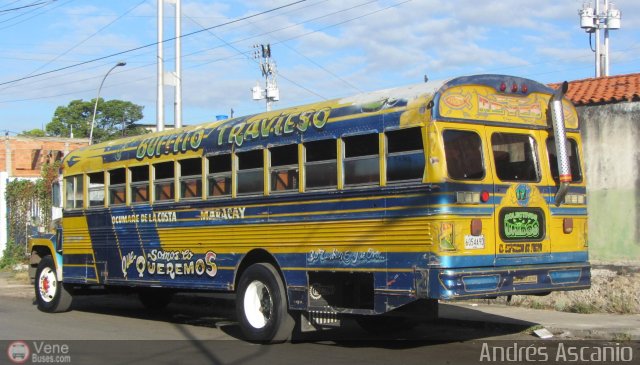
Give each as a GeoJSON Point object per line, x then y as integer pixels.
{"type": "Point", "coordinates": [270, 92]}
{"type": "Point", "coordinates": [592, 21]}
{"type": "Point", "coordinates": [169, 78]}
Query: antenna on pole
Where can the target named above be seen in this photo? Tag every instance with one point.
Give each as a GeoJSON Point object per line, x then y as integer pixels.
{"type": "Point", "coordinates": [270, 92]}
{"type": "Point", "coordinates": [592, 21]}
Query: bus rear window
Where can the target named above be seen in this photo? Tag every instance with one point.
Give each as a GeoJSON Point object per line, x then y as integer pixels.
{"type": "Point", "coordinates": [574, 160]}
{"type": "Point", "coordinates": [463, 150]}
{"type": "Point", "coordinates": [515, 157]}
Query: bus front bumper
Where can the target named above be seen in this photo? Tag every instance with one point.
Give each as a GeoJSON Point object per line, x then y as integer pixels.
{"type": "Point", "coordinates": [484, 282]}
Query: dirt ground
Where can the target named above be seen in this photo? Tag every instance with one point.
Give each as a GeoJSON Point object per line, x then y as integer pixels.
{"type": "Point", "coordinates": [614, 289]}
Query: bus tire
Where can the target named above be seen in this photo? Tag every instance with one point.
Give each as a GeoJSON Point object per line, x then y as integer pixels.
{"type": "Point", "coordinates": [155, 299]}
{"type": "Point", "coordinates": [52, 296]}
{"type": "Point", "coordinates": [261, 305]}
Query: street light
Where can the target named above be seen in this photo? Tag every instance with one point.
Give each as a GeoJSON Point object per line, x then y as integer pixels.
{"type": "Point", "coordinates": [95, 106]}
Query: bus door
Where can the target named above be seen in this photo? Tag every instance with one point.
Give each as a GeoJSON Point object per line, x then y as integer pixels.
{"type": "Point", "coordinates": [521, 211]}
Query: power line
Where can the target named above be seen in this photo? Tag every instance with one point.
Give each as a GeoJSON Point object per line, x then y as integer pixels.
{"type": "Point", "coordinates": [27, 6]}
{"type": "Point", "coordinates": [9, 4]}
{"type": "Point", "coordinates": [155, 43]}
{"type": "Point", "coordinates": [254, 60]}
{"type": "Point", "coordinates": [228, 43]}
{"type": "Point", "coordinates": [237, 41]}
{"type": "Point", "coordinates": [30, 11]}
{"type": "Point", "coordinates": [82, 41]}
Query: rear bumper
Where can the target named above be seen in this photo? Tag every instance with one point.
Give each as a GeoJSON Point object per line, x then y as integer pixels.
{"type": "Point", "coordinates": [485, 282]}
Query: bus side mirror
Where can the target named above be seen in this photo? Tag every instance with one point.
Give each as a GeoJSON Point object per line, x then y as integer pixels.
{"type": "Point", "coordinates": [55, 195]}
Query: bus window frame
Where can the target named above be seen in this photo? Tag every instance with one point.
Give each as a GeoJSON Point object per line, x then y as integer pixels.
{"type": "Point", "coordinates": [229, 174]}
{"type": "Point", "coordinates": [335, 161]}
{"type": "Point", "coordinates": [131, 185]}
{"type": "Point", "coordinates": [171, 181]}
{"type": "Point", "coordinates": [421, 151]}
{"type": "Point", "coordinates": [111, 186]}
{"type": "Point", "coordinates": [75, 192]}
{"type": "Point", "coordinates": [105, 190]}
{"type": "Point", "coordinates": [237, 171]}
{"type": "Point", "coordinates": [533, 149]}
{"type": "Point", "coordinates": [183, 178]}
{"type": "Point", "coordinates": [573, 142]}
{"type": "Point", "coordinates": [482, 153]}
{"type": "Point", "coordinates": [344, 159]}
{"type": "Point", "coordinates": [283, 168]}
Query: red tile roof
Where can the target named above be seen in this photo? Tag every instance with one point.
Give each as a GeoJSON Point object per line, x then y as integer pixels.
{"type": "Point", "coordinates": [604, 90]}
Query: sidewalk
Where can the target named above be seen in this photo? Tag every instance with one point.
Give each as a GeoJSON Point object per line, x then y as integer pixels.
{"type": "Point", "coordinates": [12, 287]}
{"type": "Point", "coordinates": [601, 326]}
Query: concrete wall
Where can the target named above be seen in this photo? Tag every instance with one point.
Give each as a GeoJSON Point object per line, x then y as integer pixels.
{"type": "Point", "coordinates": [612, 155]}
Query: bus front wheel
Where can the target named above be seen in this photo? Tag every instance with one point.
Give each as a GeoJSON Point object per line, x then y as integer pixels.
{"type": "Point", "coordinates": [51, 295]}
{"type": "Point", "coordinates": [261, 305]}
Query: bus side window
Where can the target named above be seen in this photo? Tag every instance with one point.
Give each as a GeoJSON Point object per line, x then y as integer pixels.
{"type": "Point", "coordinates": [220, 175]}
{"type": "Point", "coordinates": [96, 189]}
{"type": "Point", "coordinates": [163, 182]}
{"type": "Point", "coordinates": [250, 172]}
{"type": "Point", "coordinates": [284, 168]}
{"type": "Point", "coordinates": [321, 164]}
{"type": "Point", "coordinates": [515, 157]}
{"type": "Point", "coordinates": [117, 187]}
{"type": "Point", "coordinates": [139, 184]}
{"type": "Point", "coordinates": [74, 192]}
{"type": "Point", "coordinates": [361, 160]}
{"type": "Point", "coordinates": [574, 160]}
{"type": "Point", "coordinates": [463, 152]}
{"type": "Point", "coordinates": [190, 178]}
{"type": "Point", "coordinates": [405, 155]}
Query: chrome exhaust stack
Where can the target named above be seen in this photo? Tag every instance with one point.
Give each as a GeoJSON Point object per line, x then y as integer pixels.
{"type": "Point", "coordinates": [560, 137]}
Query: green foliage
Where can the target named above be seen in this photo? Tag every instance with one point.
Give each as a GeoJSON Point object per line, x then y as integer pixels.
{"type": "Point", "coordinates": [114, 119]}
{"type": "Point", "coordinates": [19, 196]}
{"type": "Point", "coordinates": [13, 254]}
{"type": "Point", "coordinates": [44, 186]}
{"type": "Point", "coordinates": [34, 133]}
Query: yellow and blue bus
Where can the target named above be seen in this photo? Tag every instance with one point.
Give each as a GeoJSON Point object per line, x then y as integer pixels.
{"type": "Point", "coordinates": [374, 206]}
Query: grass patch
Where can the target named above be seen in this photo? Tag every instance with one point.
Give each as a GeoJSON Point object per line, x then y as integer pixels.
{"type": "Point", "coordinates": [583, 308]}
{"type": "Point", "coordinates": [13, 255]}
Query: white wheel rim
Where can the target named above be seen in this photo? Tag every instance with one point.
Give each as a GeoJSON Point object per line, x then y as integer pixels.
{"type": "Point", "coordinates": [258, 304]}
{"type": "Point", "coordinates": [47, 284]}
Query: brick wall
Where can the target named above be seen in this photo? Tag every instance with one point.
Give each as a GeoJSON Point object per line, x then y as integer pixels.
{"type": "Point", "coordinates": [28, 154]}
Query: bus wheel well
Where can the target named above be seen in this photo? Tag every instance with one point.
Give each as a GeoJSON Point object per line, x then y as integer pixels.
{"type": "Point", "coordinates": [254, 257]}
{"type": "Point", "coordinates": [37, 254]}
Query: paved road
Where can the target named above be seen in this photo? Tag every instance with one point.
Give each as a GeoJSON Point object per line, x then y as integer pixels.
{"type": "Point", "coordinates": [117, 330]}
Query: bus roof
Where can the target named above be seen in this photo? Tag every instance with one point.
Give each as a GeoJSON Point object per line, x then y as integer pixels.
{"type": "Point", "coordinates": [375, 111]}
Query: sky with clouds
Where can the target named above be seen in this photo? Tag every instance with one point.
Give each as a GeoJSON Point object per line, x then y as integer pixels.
{"type": "Point", "coordinates": [323, 49]}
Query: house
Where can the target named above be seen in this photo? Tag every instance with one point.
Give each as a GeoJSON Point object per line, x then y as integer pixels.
{"type": "Point", "coordinates": [22, 158]}
{"type": "Point", "coordinates": [609, 109]}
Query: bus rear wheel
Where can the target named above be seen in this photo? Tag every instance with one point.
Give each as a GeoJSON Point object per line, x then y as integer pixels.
{"type": "Point", "coordinates": [51, 295]}
{"type": "Point", "coordinates": [261, 305]}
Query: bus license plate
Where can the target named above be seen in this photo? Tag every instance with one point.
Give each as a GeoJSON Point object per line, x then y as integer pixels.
{"type": "Point", "coordinates": [473, 242]}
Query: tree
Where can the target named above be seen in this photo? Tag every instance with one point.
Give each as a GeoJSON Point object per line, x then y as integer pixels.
{"type": "Point", "coordinates": [37, 132]}
{"type": "Point", "coordinates": [114, 119]}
